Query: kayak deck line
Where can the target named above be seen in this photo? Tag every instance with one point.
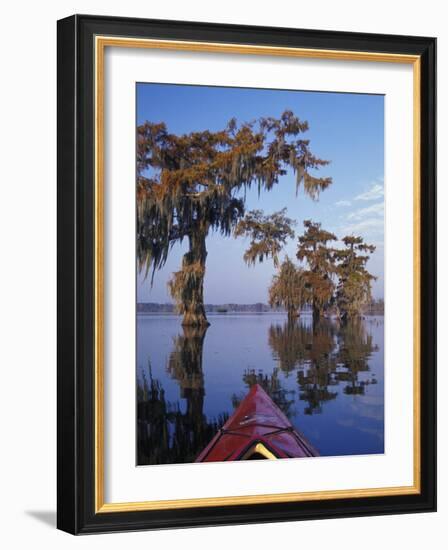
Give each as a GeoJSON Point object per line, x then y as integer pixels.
{"type": "Point", "coordinates": [257, 429]}
{"type": "Point", "coordinates": [276, 430]}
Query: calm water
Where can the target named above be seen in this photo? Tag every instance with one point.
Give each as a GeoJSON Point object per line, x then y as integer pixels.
{"type": "Point", "coordinates": [328, 379]}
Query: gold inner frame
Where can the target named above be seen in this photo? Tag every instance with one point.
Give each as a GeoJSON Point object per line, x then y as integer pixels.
{"type": "Point", "coordinates": [101, 42]}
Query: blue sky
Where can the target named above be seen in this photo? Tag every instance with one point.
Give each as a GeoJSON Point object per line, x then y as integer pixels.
{"type": "Point", "coordinates": [346, 129]}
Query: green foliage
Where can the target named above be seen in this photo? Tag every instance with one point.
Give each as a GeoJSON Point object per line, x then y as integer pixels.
{"type": "Point", "coordinates": [268, 234]}
{"type": "Point", "coordinates": [335, 277]}
{"type": "Point", "coordinates": [332, 278]}
{"type": "Point", "coordinates": [288, 288]}
{"type": "Point", "coordinates": [354, 286]}
{"type": "Point", "coordinates": [314, 250]}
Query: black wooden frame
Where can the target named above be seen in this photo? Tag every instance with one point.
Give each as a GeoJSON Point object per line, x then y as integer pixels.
{"type": "Point", "coordinates": [75, 474]}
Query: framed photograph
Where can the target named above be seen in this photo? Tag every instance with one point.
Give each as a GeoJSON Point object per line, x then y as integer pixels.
{"type": "Point", "coordinates": [246, 274]}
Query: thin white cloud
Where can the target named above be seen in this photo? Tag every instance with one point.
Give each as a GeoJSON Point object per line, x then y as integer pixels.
{"type": "Point", "coordinates": [375, 192]}
{"type": "Point", "coordinates": [364, 220]}
{"type": "Point", "coordinates": [376, 209]}
{"type": "Point", "coordinates": [365, 227]}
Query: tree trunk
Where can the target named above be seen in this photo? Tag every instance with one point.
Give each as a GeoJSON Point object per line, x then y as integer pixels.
{"type": "Point", "coordinates": [292, 314]}
{"type": "Point", "coordinates": [187, 285]}
{"type": "Point", "coordinates": [316, 312]}
{"type": "Point", "coordinates": [194, 312]}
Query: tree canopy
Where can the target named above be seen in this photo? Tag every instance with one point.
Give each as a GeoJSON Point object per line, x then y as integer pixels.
{"type": "Point", "coordinates": [191, 184]}
{"type": "Point", "coordinates": [332, 277]}
{"type": "Point", "coordinates": [313, 248]}
{"type": "Point", "coordinates": [268, 234]}
{"type": "Point", "coordinates": [354, 285]}
{"type": "Point", "coordinates": [288, 289]}
{"type": "Point", "coordinates": [335, 276]}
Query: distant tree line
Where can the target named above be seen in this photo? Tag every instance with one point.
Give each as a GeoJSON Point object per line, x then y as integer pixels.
{"type": "Point", "coordinates": [374, 307]}
{"type": "Point", "coordinates": [153, 307]}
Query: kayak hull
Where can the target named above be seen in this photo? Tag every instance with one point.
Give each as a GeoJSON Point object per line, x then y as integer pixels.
{"type": "Point", "coordinates": [258, 429]}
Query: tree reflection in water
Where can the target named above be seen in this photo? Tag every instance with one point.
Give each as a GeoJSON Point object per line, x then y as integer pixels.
{"type": "Point", "coordinates": [355, 347]}
{"type": "Point", "coordinates": [326, 359]}
{"type": "Point", "coordinates": [271, 384]}
{"type": "Point", "coordinates": [325, 354]}
{"type": "Point", "coordinates": [165, 433]}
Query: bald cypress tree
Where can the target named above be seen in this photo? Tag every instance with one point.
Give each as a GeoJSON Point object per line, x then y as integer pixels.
{"type": "Point", "coordinates": [192, 184]}
{"type": "Point", "coordinates": [288, 289]}
{"type": "Point", "coordinates": [354, 285]}
{"type": "Point", "coordinates": [313, 248]}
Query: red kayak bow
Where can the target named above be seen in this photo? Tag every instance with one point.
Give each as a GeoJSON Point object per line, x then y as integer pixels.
{"type": "Point", "coordinates": [257, 429]}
